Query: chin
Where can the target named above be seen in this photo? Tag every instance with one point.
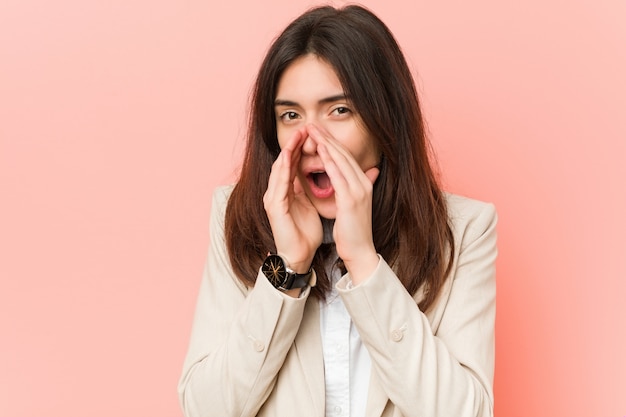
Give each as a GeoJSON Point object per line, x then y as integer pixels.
{"type": "Point", "coordinates": [326, 209]}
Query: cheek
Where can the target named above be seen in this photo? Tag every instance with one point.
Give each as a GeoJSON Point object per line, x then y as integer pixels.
{"type": "Point", "coordinates": [373, 155]}
{"type": "Point", "coordinates": [362, 148]}
{"type": "Point", "coordinates": [282, 136]}
{"type": "Point", "coordinates": [367, 160]}
{"type": "Point", "coordinates": [284, 133]}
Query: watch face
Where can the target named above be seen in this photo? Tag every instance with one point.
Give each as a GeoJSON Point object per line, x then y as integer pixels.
{"type": "Point", "coordinates": [274, 270]}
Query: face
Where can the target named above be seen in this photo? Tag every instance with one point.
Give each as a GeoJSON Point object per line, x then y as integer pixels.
{"type": "Point", "coordinates": [309, 92]}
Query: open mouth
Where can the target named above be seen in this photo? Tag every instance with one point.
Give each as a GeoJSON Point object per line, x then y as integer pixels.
{"type": "Point", "coordinates": [321, 180]}
{"type": "Point", "coordinates": [319, 184]}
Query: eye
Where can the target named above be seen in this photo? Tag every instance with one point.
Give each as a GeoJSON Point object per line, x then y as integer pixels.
{"type": "Point", "coordinates": [340, 110]}
{"type": "Point", "coordinates": [289, 116]}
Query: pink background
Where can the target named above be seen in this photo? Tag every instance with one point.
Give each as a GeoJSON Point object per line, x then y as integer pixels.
{"type": "Point", "coordinates": [118, 118]}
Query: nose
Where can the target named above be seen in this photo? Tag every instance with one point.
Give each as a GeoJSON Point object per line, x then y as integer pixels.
{"type": "Point", "coordinates": [309, 147]}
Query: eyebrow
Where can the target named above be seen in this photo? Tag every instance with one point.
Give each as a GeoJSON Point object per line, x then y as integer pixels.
{"type": "Point", "coordinates": [326, 100]}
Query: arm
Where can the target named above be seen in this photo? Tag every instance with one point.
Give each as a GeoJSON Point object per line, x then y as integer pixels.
{"type": "Point", "coordinates": [448, 372]}
{"type": "Point", "coordinates": [240, 337]}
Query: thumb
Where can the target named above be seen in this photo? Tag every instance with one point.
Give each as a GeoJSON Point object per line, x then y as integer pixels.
{"type": "Point", "coordinates": [372, 174]}
{"type": "Point", "coordinates": [297, 186]}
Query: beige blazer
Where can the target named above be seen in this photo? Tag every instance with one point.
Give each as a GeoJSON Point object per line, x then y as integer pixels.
{"type": "Point", "coordinates": [257, 352]}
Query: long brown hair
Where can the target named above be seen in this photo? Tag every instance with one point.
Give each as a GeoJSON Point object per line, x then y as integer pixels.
{"type": "Point", "coordinates": [410, 220]}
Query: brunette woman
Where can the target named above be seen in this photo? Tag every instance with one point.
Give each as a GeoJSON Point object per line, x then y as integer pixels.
{"type": "Point", "coordinates": [341, 280]}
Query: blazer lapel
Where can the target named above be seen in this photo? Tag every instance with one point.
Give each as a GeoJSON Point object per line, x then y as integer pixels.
{"type": "Point", "coordinates": [308, 346]}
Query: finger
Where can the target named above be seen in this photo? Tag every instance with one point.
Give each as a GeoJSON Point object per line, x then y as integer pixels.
{"type": "Point", "coordinates": [279, 177]}
{"type": "Point", "coordinates": [372, 174]}
{"type": "Point", "coordinates": [319, 134]}
{"type": "Point", "coordinates": [290, 154]}
{"type": "Point", "coordinates": [297, 186]}
{"type": "Point", "coordinates": [295, 146]}
{"type": "Point", "coordinates": [337, 178]}
{"type": "Point", "coordinates": [343, 170]}
{"type": "Point", "coordinates": [295, 140]}
{"type": "Point", "coordinates": [338, 152]}
{"type": "Point", "coordinates": [284, 169]}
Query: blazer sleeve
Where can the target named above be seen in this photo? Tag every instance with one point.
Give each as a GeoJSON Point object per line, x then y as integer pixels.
{"type": "Point", "coordinates": [240, 336]}
{"type": "Point", "coordinates": [447, 372]}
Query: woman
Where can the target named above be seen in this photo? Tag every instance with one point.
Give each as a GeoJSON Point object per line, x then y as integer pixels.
{"type": "Point", "coordinates": [377, 297]}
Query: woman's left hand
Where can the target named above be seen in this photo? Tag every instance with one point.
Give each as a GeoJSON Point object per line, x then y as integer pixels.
{"type": "Point", "coordinates": [353, 198]}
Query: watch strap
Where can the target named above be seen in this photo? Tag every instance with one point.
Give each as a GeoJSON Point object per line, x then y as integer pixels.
{"type": "Point", "coordinates": [295, 280]}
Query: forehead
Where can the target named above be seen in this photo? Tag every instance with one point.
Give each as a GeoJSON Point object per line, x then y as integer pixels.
{"type": "Point", "coordinates": [308, 77]}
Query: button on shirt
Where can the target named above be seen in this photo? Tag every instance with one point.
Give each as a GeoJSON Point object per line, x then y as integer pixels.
{"type": "Point", "coordinates": [347, 364]}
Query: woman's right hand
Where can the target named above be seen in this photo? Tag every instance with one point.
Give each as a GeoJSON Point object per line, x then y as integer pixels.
{"type": "Point", "coordinates": [295, 222]}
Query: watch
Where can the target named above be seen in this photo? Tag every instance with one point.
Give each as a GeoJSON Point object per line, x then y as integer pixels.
{"type": "Point", "coordinates": [281, 276]}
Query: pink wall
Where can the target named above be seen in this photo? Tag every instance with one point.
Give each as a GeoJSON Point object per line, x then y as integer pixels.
{"type": "Point", "coordinates": [118, 118]}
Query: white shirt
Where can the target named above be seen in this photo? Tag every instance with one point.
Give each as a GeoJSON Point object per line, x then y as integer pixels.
{"type": "Point", "coordinates": [347, 364]}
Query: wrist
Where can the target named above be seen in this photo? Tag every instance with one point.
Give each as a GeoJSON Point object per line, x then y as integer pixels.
{"type": "Point", "coordinates": [296, 264]}
{"type": "Point", "coordinates": [360, 269]}
{"type": "Point", "coordinates": [301, 268]}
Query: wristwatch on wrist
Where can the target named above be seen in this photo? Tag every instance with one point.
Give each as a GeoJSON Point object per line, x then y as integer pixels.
{"type": "Point", "coordinates": [277, 271]}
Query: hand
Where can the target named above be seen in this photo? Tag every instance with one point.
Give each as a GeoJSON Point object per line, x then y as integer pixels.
{"type": "Point", "coordinates": [295, 223]}
{"type": "Point", "coordinates": [352, 231]}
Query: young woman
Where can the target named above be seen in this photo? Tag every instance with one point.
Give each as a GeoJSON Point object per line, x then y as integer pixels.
{"type": "Point", "coordinates": [341, 280]}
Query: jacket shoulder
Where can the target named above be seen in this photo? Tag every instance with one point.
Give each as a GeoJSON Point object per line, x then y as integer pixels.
{"type": "Point", "coordinates": [464, 210]}
{"type": "Point", "coordinates": [469, 217]}
{"type": "Point", "coordinates": [221, 195]}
